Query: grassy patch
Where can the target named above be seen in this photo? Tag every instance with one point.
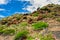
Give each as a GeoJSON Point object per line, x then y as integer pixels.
{"type": "Point", "coordinates": [39, 25]}
{"type": "Point", "coordinates": [29, 38]}
{"type": "Point", "coordinates": [58, 19]}
{"type": "Point", "coordinates": [23, 24]}
{"type": "Point", "coordinates": [46, 37]}
{"type": "Point", "coordinates": [21, 35]}
{"type": "Point", "coordinates": [35, 14]}
{"type": "Point", "coordinates": [7, 31]}
{"type": "Point", "coordinates": [2, 27]}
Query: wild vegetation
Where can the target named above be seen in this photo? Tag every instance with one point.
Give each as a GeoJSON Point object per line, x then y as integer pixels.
{"type": "Point", "coordinates": [39, 25]}
{"type": "Point", "coordinates": [29, 26]}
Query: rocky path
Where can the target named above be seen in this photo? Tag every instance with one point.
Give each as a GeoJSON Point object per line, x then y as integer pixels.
{"type": "Point", "coordinates": [6, 37]}
{"type": "Point", "coordinates": [57, 34]}
{"type": "Point", "coordinates": [54, 27]}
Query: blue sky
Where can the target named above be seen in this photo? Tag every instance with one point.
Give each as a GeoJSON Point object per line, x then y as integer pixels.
{"type": "Point", "coordinates": [12, 7]}
{"type": "Point", "coordinates": [9, 7]}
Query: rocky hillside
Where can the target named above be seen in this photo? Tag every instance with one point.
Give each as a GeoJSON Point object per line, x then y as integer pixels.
{"type": "Point", "coordinates": [43, 24]}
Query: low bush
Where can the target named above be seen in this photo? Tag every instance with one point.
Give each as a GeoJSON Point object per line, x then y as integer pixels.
{"type": "Point", "coordinates": [2, 27]}
{"type": "Point", "coordinates": [21, 35]}
{"type": "Point", "coordinates": [23, 24]}
{"type": "Point", "coordinates": [7, 31]}
{"type": "Point", "coordinates": [44, 16]}
{"type": "Point", "coordinates": [53, 13]}
{"type": "Point", "coordinates": [1, 32]}
{"type": "Point", "coordinates": [58, 19]}
{"type": "Point", "coordinates": [39, 25]}
{"type": "Point", "coordinates": [46, 37]}
{"type": "Point", "coordinates": [35, 14]}
{"type": "Point", "coordinates": [29, 38]}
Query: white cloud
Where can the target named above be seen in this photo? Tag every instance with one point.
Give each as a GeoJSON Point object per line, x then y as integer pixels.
{"type": "Point", "coordinates": [39, 3]}
{"type": "Point", "coordinates": [23, 0]}
{"type": "Point", "coordinates": [4, 1]}
{"type": "Point", "coordinates": [21, 12]}
{"type": "Point", "coordinates": [1, 16]}
{"type": "Point", "coordinates": [2, 9]}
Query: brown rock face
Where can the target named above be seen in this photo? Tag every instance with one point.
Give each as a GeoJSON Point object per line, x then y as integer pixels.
{"type": "Point", "coordinates": [39, 17]}
{"type": "Point", "coordinates": [30, 20]}
{"type": "Point", "coordinates": [23, 38]}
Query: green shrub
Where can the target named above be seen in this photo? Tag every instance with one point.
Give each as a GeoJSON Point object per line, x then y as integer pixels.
{"type": "Point", "coordinates": [49, 15]}
{"type": "Point", "coordinates": [44, 16]}
{"type": "Point", "coordinates": [29, 38]}
{"type": "Point", "coordinates": [18, 18]}
{"type": "Point", "coordinates": [21, 35]}
{"type": "Point", "coordinates": [8, 31]}
{"type": "Point", "coordinates": [2, 27]}
{"type": "Point", "coordinates": [23, 24]}
{"type": "Point", "coordinates": [46, 37]}
{"type": "Point", "coordinates": [58, 19]}
{"type": "Point", "coordinates": [53, 13]}
{"type": "Point", "coordinates": [1, 32]}
{"type": "Point", "coordinates": [39, 25]}
{"type": "Point", "coordinates": [35, 14]}
{"type": "Point", "coordinates": [44, 8]}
